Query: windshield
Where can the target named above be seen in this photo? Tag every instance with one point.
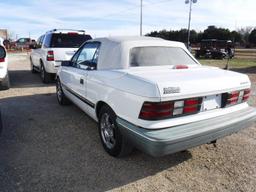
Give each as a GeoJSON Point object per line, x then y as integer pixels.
{"type": "Point", "coordinates": [68, 40]}
{"type": "Point", "coordinates": [158, 56]}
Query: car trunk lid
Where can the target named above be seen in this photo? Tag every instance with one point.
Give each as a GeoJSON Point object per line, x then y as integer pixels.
{"type": "Point", "coordinates": [192, 82]}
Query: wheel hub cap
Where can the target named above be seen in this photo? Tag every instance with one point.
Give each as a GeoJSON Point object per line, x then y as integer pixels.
{"type": "Point", "coordinates": [107, 131]}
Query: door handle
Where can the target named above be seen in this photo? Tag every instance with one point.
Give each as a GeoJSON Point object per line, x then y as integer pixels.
{"type": "Point", "coordinates": [81, 81]}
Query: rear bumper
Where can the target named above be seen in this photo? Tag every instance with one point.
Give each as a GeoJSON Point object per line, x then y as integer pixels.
{"type": "Point", "coordinates": [173, 139]}
{"type": "Point", "coordinates": [2, 77]}
{"type": "Point", "coordinates": [3, 73]}
{"type": "Point", "coordinates": [51, 67]}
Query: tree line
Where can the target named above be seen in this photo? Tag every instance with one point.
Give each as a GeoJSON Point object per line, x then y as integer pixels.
{"type": "Point", "coordinates": [244, 37]}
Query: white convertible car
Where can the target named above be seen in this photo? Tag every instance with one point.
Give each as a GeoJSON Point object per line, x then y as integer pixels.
{"type": "Point", "coordinates": [153, 95]}
{"type": "Point", "coordinates": [4, 78]}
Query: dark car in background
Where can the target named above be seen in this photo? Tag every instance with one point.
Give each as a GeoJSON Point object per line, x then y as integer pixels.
{"type": "Point", "coordinates": [24, 43]}
{"type": "Point", "coordinates": [215, 49]}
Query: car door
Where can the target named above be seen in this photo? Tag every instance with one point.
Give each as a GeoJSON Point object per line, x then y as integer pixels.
{"type": "Point", "coordinates": [74, 78]}
{"type": "Point", "coordinates": [35, 56]}
{"type": "Point", "coordinates": [91, 75]}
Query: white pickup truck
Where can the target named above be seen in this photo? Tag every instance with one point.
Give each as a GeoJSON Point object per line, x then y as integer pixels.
{"type": "Point", "coordinates": [4, 78]}
{"type": "Point", "coordinates": [153, 95]}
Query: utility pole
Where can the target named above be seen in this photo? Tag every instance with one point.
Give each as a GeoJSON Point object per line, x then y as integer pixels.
{"type": "Point", "coordinates": [141, 4]}
{"type": "Point", "coordinates": [189, 18]}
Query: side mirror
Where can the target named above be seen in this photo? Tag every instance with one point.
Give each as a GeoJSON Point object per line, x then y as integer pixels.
{"type": "Point", "coordinates": [66, 63]}
{"type": "Point", "coordinates": [2, 53]}
{"type": "Point", "coordinates": [90, 64]}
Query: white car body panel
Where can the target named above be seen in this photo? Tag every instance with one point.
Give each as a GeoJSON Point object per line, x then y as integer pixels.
{"type": "Point", "coordinates": [193, 81]}
{"type": "Point", "coordinates": [125, 88]}
{"type": "Point", "coordinates": [3, 65]}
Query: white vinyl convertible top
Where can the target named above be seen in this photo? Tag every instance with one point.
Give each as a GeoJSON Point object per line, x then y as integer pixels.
{"type": "Point", "coordinates": [114, 51]}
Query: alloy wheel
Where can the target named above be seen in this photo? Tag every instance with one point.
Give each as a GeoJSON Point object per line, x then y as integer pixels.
{"type": "Point", "coordinates": [107, 128]}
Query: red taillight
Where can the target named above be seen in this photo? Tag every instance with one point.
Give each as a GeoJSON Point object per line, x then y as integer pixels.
{"type": "Point", "coordinates": [154, 111]}
{"type": "Point", "coordinates": [50, 56]}
{"type": "Point", "coordinates": [190, 106]}
{"type": "Point", "coordinates": [246, 95]}
{"type": "Point", "coordinates": [236, 97]}
{"type": "Point", "coordinates": [233, 97]}
{"type": "Point", "coordinates": [192, 102]}
{"type": "Point", "coordinates": [180, 67]}
{"type": "Point", "coordinates": [72, 33]}
{"type": "Point", "coordinates": [2, 59]}
{"type": "Point", "coordinates": [169, 109]}
{"type": "Point", "coordinates": [190, 109]}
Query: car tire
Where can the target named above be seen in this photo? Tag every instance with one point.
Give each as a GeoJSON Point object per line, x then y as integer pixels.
{"type": "Point", "coordinates": [33, 70]}
{"type": "Point", "coordinates": [5, 84]}
{"type": "Point", "coordinates": [114, 143]}
{"type": "Point", "coordinates": [61, 97]}
{"type": "Point", "coordinates": [46, 77]}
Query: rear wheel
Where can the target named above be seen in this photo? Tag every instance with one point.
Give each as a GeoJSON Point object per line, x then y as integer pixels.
{"type": "Point", "coordinates": [33, 70]}
{"type": "Point", "coordinates": [5, 84]}
{"type": "Point", "coordinates": [114, 143]}
{"type": "Point", "coordinates": [61, 97]}
{"type": "Point", "coordinates": [46, 77]}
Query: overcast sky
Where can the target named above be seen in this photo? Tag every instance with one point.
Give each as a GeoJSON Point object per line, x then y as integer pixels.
{"type": "Point", "coordinates": [121, 17]}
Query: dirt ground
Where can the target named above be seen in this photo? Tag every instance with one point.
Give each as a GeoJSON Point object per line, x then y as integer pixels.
{"type": "Point", "coordinates": [50, 148]}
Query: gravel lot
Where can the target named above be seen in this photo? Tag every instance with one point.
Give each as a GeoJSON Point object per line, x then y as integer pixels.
{"type": "Point", "coordinates": [47, 147]}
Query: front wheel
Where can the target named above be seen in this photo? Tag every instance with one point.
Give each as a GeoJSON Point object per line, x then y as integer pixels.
{"type": "Point", "coordinates": [114, 143]}
{"type": "Point", "coordinates": [61, 97]}
{"type": "Point", "coordinates": [33, 70]}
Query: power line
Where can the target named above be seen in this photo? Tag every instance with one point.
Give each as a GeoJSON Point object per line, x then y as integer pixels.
{"type": "Point", "coordinates": [136, 7]}
{"type": "Point", "coordinates": [133, 8]}
{"type": "Point", "coordinates": [159, 2]}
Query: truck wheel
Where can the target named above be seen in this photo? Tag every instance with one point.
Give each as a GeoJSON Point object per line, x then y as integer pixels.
{"type": "Point", "coordinates": [46, 77]}
{"type": "Point", "coordinates": [33, 70]}
{"type": "Point", "coordinates": [5, 84]}
{"type": "Point", "coordinates": [114, 143]}
{"type": "Point", "coordinates": [61, 97]}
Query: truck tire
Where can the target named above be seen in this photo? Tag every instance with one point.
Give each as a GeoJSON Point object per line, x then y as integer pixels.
{"type": "Point", "coordinates": [61, 97]}
{"type": "Point", "coordinates": [46, 77]}
{"type": "Point", "coordinates": [114, 143]}
{"type": "Point", "coordinates": [5, 84]}
{"type": "Point", "coordinates": [33, 70]}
